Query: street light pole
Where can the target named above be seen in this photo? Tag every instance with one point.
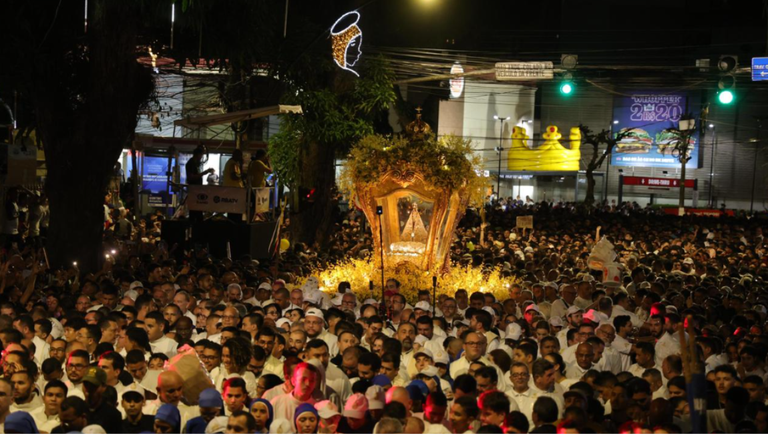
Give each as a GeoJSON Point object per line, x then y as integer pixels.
{"type": "Point", "coordinates": [685, 131]}
{"type": "Point", "coordinates": [754, 166]}
{"type": "Point", "coordinates": [499, 149]}
{"type": "Point", "coordinates": [712, 165]}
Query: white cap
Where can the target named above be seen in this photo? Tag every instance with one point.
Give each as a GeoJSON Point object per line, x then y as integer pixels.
{"type": "Point", "coordinates": [514, 331]}
{"type": "Point", "coordinates": [490, 310]}
{"type": "Point", "coordinates": [532, 307]}
{"type": "Point", "coordinates": [556, 321]}
{"type": "Point", "coordinates": [688, 261]}
{"type": "Point", "coordinates": [356, 406]}
{"type": "Point", "coordinates": [423, 305]}
{"type": "Point", "coordinates": [441, 356]}
{"type": "Point", "coordinates": [132, 294]}
{"type": "Point", "coordinates": [572, 310]}
{"type": "Point", "coordinates": [371, 301]}
{"type": "Point", "coordinates": [315, 312]}
{"type": "Point", "coordinates": [218, 424]}
{"type": "Point", "coordinates": [136, 284]}
{"type": "Point", "coordinates": [266, 286]}
{"type": "Point", "coordinates": [595, 316]}
{"type": "Point", "coordinates": [281, 321]}
{"type": "Point", "coordinates": [326, 409]}
{"type": "Point", "coordinates": [424, 351]}
{"type": "Point", "coordinates": [376, 397]}
{"type": "Point", "coordinates": [94, 429]}
{"type": "Point", "coordinates": [421, 340]}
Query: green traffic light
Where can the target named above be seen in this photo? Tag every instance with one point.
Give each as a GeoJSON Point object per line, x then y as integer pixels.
{"type": "Point", "coordinates": [725, 97]}
{"type": "Point", "coordinates": [566, 88]}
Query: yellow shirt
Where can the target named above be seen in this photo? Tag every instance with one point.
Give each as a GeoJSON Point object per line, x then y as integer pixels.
{"type": "Point", "coordinates": [232, 168]}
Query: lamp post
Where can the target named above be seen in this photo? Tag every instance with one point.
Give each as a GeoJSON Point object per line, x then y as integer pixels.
{"type": "Point", "coordinates": [756, 142]}
{"type": "Point", "coordinates": [685, 131]}
{"type": "Point", "coordinates": [499, 149]}
{"type": "Point", "coordinates": [712, 165]}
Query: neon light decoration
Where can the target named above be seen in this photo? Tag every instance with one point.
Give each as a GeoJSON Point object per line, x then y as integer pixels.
{"type": "Point", "coordinates": [347, 39]}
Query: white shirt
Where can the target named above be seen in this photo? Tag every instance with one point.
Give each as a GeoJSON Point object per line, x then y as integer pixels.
{"type": "Point", "coordinates": [623, 347]}
{"type": "Point", "coordinates": [714, 361]}
{"type": "Point", "coordinates": [285, 407]}
{"type": "Point", "coordinates": [43, 421]}
{"type": "Point", "coordinates": [559, 308]}
{"type": "Point", "coordinates": [337, 380]}
{"type": "Point", "coordinates": [75, 390]}
{"type": "Point", "coordinates": [36, 402]}
{"type": "Point", "coordinates": [620, 311]}
{"type": "Point", "coordinates": [164, 345]}
{"type": "Point", "coordinates": [667, 345]}
{"type": "Point", "coordinates": [41, 350]}
{"type": "Point", "coordinates": [331, 340]}
{"type": "Point", "coordinates": [525, 401]}
{"type": "Point", "coordinates": [575, 372]}
{"type": "Point", "coordinates": [638, 370]}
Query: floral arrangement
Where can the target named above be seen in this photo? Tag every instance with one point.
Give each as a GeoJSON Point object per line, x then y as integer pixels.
{"type": "Point", "coordinates": [447, 163]}
{"type": "Point", "coordinates": [360, 272]}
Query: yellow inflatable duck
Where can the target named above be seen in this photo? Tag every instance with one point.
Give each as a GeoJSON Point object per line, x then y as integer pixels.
{"type": "Point", "coordinates": [550, 156]}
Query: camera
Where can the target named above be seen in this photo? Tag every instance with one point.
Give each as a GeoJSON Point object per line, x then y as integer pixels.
{"type": "Point", "coordinates": [379, 210]}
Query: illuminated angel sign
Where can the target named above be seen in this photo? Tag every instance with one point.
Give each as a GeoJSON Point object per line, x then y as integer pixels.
{"type": "Point", "coordinates": [347, 39]}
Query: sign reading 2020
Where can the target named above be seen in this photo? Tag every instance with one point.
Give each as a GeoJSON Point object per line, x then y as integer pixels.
{"type": "Point", "coordinates": [347, 40]}
{"type": "Point", "coordinates": [645, 120]}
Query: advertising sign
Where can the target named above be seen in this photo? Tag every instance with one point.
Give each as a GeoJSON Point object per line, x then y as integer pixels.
{"type": "Point", "coordinates": [646, 118]}
{"type": "Point", "coordinates": [155, 180]}
{"type": "Point", "coordinates": [213, 198]}
{"type": "Point", "coordinates": [657, 182]}
{"type": "Point", "coordinates": [262, 199]}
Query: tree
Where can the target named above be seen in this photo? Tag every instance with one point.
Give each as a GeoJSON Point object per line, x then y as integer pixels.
{"type": "Point", "coordinates": [81, 91]}
{"type": "Point", "coordinates": [604, 139]}
{"type": "Point", "coordinates": [338, 110]}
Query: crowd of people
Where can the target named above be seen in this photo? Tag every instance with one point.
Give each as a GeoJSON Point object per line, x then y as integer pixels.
{"type": "Point", "coordinates": [565, 351]}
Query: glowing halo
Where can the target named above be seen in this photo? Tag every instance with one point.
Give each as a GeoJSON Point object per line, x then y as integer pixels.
{"type": "Point", "coordinates": [345, 34]}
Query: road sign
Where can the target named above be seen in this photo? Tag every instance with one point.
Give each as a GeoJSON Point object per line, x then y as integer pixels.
{"type": "Point", "coordinates": [524, 71]}
{"type": "Point", "coordinates": [657, 182]}
{"type": "Point", "coordinates": [759, 68]}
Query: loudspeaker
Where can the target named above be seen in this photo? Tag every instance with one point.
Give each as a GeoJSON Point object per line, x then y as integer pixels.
{"type": "Point", "coordinates": [244, 239]}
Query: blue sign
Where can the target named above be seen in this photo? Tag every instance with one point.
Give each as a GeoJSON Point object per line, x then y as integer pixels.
{"type": "Point", "coordinates": [644, 120]}
{"type": "Point", "coordinates": [155, 180]}
{"type": "Point", "coordinates": [759, 68]}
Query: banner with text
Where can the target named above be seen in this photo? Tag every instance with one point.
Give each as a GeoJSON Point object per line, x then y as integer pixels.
{"type": "Point", "coordinates": [644, 120]}
{"type": "Point", "coordinates": [213, 198]}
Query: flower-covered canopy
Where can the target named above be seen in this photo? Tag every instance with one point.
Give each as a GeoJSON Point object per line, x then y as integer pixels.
{"type": "Point", "coordinates": [423, 186]}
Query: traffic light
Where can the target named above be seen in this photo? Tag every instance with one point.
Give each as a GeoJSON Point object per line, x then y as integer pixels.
{"type": "Point", "coordinates": [725, 87]}
{"type": "Point", "coordinates": [566, 88]}
{"type": "Point", "coordinates": [725, 97]}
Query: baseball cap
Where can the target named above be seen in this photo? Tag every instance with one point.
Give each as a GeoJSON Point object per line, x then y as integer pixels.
{"type": "Point", "coordinates": [556, 321]}
{"type": "Point", "coordinates": [135, 284]}
{"type": "Point", "coordinates": [572, 310]}
{"type": "Point", "coordinates": [169, 414]}
{"type": "Point", "coordinates": [490, 310]}
{"type": "Point", "coordinates": [133, 396]}
{"type": "Point", "coordinates": [417, 389]}
{"type": "Point", "coordinates": [326, 409]}
{"type": "Point", "coordinates": [532, 307]}
{"type": "Point", "coordinates": [94, 429]}
{"type": "Point", "coordinates": [376, 397]}
{"type": "Point", "coordinates": [356, 406]}
{"type": "Point", "coordinates": [266, 286]}
{"type": "Point", "coordinates": [514, 331]}
{"type": "Point", "coordinates": [313, 297]}
{"type": "Point", "coordinates": [210, 398]}
{"type": "Point", "coordinates": [421, 340]}
{"type": "Point", "coordinates": [315, 312]}
{"type": "Point", "coordinates": [441, 356]}
{"type": "Point", "coordinates": [381, 380]}
{"type": "Point", "coordinates": [132, 294]}
{"type": "Point", "coordinates": [426, 352]}
{"type": "Point", "coordinates": [281, 321]}
{"type": "Point", "coordinates": [95, 376]}
{"type": "Point", "coordinates": [423, 305]}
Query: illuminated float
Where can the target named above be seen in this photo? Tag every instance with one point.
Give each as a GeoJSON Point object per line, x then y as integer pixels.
{"type": "Point", "coordinates": [422, 185]}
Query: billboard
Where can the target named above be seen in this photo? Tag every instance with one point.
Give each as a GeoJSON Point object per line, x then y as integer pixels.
{"type": "Point", "coordinates": [155, 180]}
{"type": "Point", "coordinates": [645, 115]}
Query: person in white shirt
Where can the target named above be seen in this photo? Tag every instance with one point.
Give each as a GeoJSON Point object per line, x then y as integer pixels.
{"type": "Point", "coordinates": [645, 358]}
{"type": "Point", "coordinates": [156, 325]}
{"type": "Point", "coordinates": [521, 392]}
{"type": "Point", "coordinates": [314, 325]}
{"type": "Point", "coordinates": [304, 383]}
{"type": "Point", "coordinates": [47, 416]}
{"type": "Point", "coordinates": [585, 355]}
{"type": "Point", "coordinates": [25, 396]}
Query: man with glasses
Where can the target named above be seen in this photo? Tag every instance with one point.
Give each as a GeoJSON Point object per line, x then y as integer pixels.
{"type": "Point", "coordinates": [521, 391]}
{"type": "Point", "coordinates": [230, 317]}
{"type": "Point", "coordinates": [212, 358]}
{"type": "Point", "coordinates": [474, 350]}
{"type": "Point", "coordinates": [77, 365]}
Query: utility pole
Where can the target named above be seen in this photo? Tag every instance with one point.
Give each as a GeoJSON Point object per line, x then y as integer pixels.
{"type": "Point", "coordinates": [686, 127]}
{"type": "Point", "coordinates": [499, 149]}
{"type": "Point", "coordinates": [754, 165]}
